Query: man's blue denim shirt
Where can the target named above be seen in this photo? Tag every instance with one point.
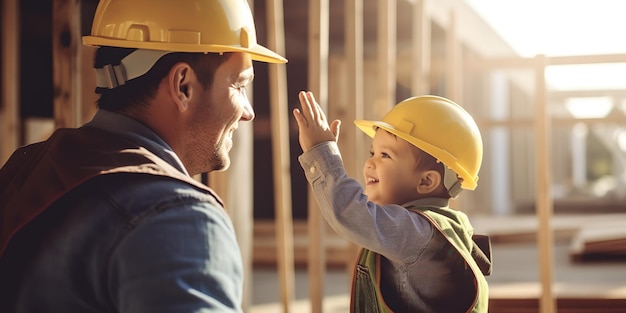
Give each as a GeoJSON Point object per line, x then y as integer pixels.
{"type": "Point", "coordinates": [134, 243]}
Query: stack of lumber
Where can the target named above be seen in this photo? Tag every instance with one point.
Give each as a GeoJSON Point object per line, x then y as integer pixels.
{"type": "Point", "coordinates": [595, 297]}
{"type": "Point", "coordinates": [600, 241]}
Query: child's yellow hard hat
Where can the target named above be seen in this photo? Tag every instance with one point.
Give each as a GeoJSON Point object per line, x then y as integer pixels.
{"type": "Point", "coordinates": [178, 26]}
{"type": "Point", "coordinates": [439, 127]}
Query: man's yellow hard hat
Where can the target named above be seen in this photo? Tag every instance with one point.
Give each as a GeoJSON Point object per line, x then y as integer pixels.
{"type": "Point", "coordinates": [179, 26]}
{"type": "Point", "coordinates": [439, 127]}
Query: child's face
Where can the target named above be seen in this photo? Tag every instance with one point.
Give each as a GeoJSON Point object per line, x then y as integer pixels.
{"type": "Point", "coordinates": [391, 172]}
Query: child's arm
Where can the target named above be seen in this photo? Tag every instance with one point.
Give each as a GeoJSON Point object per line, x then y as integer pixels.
{"type": "Point", "coordinates": [390, 230]}
{"type": "Point", "coordinates": [341, 199]}
{"type": "Point", "coordinates": [312, 124]}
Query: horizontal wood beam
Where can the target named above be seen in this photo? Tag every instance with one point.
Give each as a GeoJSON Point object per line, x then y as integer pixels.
{"type": "Point", "coordinates": [482, 64]}
{"type": "Point", "coordinates": [556, 121]}
{"type": "Point", "coordinates": [564, 94]}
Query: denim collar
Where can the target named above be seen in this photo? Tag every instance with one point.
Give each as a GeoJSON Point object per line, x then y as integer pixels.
{"type": "Point", "coordinates": [137, 132]}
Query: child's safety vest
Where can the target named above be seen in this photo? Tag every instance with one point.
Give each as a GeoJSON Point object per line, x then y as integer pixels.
{"type": "Point", "coordinates": [366, 295]}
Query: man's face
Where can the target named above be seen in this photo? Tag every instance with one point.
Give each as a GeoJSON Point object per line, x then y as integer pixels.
{"type": "Point", "coordinates": [217, 113]}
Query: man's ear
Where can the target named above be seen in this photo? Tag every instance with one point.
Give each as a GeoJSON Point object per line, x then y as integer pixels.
{"type": "Point", "coordinates": [180, 77]}
{"type": "Point", "coordinates": [429, 182]}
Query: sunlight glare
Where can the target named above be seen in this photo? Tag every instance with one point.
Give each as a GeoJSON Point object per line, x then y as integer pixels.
{"type": "Point", "coordinates": [589, 107]}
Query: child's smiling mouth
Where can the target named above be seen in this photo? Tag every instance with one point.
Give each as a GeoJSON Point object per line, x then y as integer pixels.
{"type": "Point", "coordinates": [371, 180]}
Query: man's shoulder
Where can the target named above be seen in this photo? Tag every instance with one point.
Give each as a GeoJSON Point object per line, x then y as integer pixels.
{"type": "Point", "coordinates": [140, 195]}
{"type": "Point", "coordinates": [130, 185]}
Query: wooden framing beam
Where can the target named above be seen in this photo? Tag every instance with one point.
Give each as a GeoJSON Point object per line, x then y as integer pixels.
{"type": "Point", "coordinates": [547, 302]}
{"type": "Point", "coordinates": [560, 95]}
{"type": "Point", "coordinates": [318, 38]}
{"type": "Point", "coordinates": [279, 117]}
{"type": "Point", "coordinates": [88, 100]}
{"type": "Point", "coordinates": [586, 59]}
{"type": "Point", "coordinates": [421, 41]}
{"type": "Point", "coordinates": [351, 139]}
{"type": "Point", "coordinates": [9, 107]}
{"type": "Point", "coordinates": [387, 46]}
{"type": "Point", "coordinates": [483, 64]}
{"type": "Point", "coordinates": [66, 59]}
{"type": "Point", "coordinates": [454, 72]}
{"type": "Point", "coordinates": [516, 123]}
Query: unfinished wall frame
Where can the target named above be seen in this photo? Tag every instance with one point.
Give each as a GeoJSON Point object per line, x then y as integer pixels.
{"type": "Point", "coordinates": [543, 123]}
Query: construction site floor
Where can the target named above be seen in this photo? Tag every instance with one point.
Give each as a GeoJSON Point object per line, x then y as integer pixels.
{"type": "Point", "coordinates": [595, 286]}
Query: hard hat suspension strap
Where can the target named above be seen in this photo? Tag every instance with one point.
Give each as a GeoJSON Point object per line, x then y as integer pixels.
{"type": "Point", "coordinates": [452, 182]}
{"type": "Point", "coordinates": [132, 66]}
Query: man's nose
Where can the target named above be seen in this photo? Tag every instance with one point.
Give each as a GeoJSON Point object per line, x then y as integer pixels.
{"type": "Point", "coordinates": [248, 112]}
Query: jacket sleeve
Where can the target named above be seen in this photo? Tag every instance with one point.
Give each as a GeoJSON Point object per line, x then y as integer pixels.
{"type": "Point", "coordinates": [181, 260]}
{"type": "Point", "coordinates": [390, 230]}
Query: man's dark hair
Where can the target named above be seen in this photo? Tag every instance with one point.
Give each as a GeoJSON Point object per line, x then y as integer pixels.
{"type": "Point", "coordinates": [135, 93]}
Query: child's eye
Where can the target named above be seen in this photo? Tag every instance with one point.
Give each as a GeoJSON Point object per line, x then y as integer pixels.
{"type": "Point", "coordinates": [383, 155]}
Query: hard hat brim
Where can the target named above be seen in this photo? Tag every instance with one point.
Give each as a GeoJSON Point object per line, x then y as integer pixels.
{"type": "Point", "coordinates": [257, 52]}
{"type": "Point", "coordinates": [369, 128]}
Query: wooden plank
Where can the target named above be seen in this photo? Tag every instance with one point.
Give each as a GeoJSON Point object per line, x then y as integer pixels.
{"type": "Point", "coordinates": [561, 95]}
{"type": "Point", "coordinates": [543, 188]}
{"type": "Point", "coordinates": [421, 42]}
{"type": "Point", "coordinates": [514, 123]}
{"type": "Point", "coordinates": [279, 116]}
{"type": "Point", "coordinates": [9, 107]}
{"type": "Point", "coordinates": [482, 64]}
{"type": "Point", "coordinates": [89, 98]}
{"type": "Point", "coordinates": [586, 59]}
{"type": "Point", "coordinates": [570, 298]}
{"type": "Point", "coordinates": [66, 62]}
{"type": "Point", "coordinates": [454, 72]}
{"type": "Point", "coordinates": [318, 38]}
{"type": "Point", "coordinates": [564, 305]}
{"type": "Point", "coordinates": [387, 46]}
{"type": "Point", "coordinates": [88, 105]}
{"type": "Point", "coordinates": [352, 140]}
{"type": "Point", "coordinates": [599, 241]}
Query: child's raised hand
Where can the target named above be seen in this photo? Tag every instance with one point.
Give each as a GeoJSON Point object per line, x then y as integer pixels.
{"type": "Point", "coordinates": [312, 123]}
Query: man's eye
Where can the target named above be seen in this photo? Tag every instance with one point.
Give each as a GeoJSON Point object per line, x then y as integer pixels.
{"type": "Point", "coordinates": [240, 88]}
{"type": "Point", "coordinates": [371, 154]}
{"type": "Point", "coordinates": [385, 155]}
